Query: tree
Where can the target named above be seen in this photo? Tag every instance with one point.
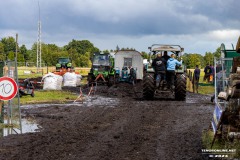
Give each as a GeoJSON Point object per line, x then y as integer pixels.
{"type": "Point", "coordinates": [82, 47]}
{"type": "Point", "coordinates": [217, 53]}
{"type": "Point", "coordinates": [9, 45]}
{"type": "Point", "coordinates": [193, 59]}
{"type": "Point", "coordinates": [2, 55]}
{"type": "Point", "coordinates": [26, 55]}
{"type": "Point", "coordinates": [11, 55]}
{"type": "Point", "coordinates": [145, 55]}
{"type": "Point", "coordinates": [208, 58]}
{"type": "Point", "coordinates": [117, 48]}
{"type": "Point", "coordinates": [106, 51]}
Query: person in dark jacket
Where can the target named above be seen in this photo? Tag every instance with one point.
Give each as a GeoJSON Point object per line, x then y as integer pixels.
{"type": "Point", "coordinates": [159, 66]}
{"type": "Point", "coordinates": [166, 56]}
{"type": "Point", "coordinates": [196, 77]}
{"type": "Point", "coordinates": [171, 65]}
{"type": "Point", "coordinates": [208, 72]}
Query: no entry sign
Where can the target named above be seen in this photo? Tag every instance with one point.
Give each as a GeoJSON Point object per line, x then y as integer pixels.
{"type": "Point", "coordinates": [8, 88]}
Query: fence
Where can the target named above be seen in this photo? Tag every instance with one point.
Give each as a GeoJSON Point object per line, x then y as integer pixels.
{"type": "Point", "coordinates": [12, 118]}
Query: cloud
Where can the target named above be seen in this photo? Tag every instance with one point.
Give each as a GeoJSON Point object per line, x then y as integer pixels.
{"type": "Point", "coordinates": [198, 25]}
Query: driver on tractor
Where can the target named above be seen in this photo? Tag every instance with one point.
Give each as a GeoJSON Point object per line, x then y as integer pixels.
{"type": "Point", "coordinates": [159, 66]}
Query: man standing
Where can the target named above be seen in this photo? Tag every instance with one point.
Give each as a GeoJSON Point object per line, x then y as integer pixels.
{"type": "Point", "coordinates": [171, 65]}
{"type": "Point", "coordinates": [166, 56]}
{"type": "Point", "coordinates": [159, 66]}
{"type": "Point", "coordinates": [196, 78]}
{"type": "Point", "coordinates": [208, 72]}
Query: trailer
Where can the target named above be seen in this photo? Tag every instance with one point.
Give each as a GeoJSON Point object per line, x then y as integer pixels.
{"type": "Point", "coordinates": [127, 61]}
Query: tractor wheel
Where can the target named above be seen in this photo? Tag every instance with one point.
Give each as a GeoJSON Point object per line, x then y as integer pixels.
{"type": "Point", "coordinates": [117, 77]}
{"type": "Point", "coordinates": [180, 87]}
{"type": "Point", "coordinates": [90, 79]}
{"type": "Point", "coordinates": [148, 86]}
{"type": "Point", "coordinates": [111, 81]}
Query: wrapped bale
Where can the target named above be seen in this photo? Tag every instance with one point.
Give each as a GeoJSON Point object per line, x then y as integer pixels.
{"type": "Point", "coordinates": [52, 82]}
{"type": "Point", "coordinates": [71, 79]}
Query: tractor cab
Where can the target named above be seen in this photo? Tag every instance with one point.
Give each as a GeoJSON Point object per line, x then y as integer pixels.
{"type": "Point", "coordinates": [63, 62]}
{"type": "Point", "coordinates": [63, 65]}
{"type": "Point", "coordinates": [102, 69]}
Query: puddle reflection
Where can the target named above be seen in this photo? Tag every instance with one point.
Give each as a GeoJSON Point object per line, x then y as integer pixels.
{"type": "Point", "coordinates": [28, 126]}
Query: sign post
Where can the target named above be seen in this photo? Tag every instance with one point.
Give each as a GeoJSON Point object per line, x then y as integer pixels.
{"type": "Point", "coordinates": [8, 88]}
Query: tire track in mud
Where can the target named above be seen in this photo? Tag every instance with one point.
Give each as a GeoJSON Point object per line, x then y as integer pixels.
{"type": "Point", "coordinates": [181, 135]}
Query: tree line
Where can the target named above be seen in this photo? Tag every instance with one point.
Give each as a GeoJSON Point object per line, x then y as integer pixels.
{"type": "Point", "coordinates": [80, 52]}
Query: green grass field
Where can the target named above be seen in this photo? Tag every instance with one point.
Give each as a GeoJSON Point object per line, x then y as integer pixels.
{"type": "Point", "coordinates": [204, 87]}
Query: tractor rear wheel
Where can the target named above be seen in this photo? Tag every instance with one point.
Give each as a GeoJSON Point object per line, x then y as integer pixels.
{"type": "Point", "coordinates": [180, 87]}
{"type": "Point", "coordinates": [148, 86]}
{"type": "Point", "coordinates": [90, 79]}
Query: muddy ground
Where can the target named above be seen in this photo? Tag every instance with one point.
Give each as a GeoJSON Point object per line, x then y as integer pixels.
{"type": "Point", "coordinates": [114, 124]}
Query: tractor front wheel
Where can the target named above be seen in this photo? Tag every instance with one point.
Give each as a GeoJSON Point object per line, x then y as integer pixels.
{"type": "Point", "coordinates": [111, 81]}
{"type": "Point", "coordinates": [90, 79]}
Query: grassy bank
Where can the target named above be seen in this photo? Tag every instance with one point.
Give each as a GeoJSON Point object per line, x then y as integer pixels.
{"type": "Point", "coordinates": [42, 96]}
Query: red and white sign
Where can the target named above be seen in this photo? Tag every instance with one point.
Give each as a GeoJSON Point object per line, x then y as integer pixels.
{"type": "Point", "coordinates": [8, 88]}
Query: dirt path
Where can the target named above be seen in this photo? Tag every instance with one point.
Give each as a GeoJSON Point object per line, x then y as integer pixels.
{"type": "Point", "coordinates": [118, 127]}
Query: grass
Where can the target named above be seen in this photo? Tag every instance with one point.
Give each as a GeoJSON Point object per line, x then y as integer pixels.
{"type": "Point", "coordinates": [34, 73]}
{"type": "Point", "coordinates": [53, 96]}
{"type": "Point", "coordinates": [204, 87]}
{"type": "Point", "coordinates": [207, 138]}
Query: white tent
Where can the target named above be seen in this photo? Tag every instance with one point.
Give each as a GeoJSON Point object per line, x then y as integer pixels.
{"type": "Point", "coordinates": [129, 58]}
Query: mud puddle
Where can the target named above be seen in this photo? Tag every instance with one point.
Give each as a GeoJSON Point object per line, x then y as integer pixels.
{"type": "Point", "coordinates": [28, 126]}
{"type": "Point", "coordinates": [86, 102]}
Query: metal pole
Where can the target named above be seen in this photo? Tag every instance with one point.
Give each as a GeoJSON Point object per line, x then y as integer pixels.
{"type": "Point", "coordinates": [215, 81]}
{"type": "Point", "coordinates": [16, 76]}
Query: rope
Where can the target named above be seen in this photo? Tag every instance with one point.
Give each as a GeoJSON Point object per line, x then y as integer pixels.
{"type": "Point", "coordinates": [92, 91]}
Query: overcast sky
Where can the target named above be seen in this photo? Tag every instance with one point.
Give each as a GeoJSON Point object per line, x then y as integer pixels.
{"type": "Point", "coordinates": [197, 25]}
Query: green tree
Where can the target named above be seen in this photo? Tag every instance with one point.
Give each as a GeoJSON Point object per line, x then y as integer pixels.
{"type": "Point", "coordinates": [194, 59]}
{"type": "Point", "coordinates": [145, 55]}
{"type": "Point", "coordinates": [9, 45]}
{"type": "Point", "coordinates": [217, 53]}
{"type": "Point", "coordinates": [80, 52]}
{"type": "Point", "coordinates": [24, 52]}
{"type": "Point", "coordinates": [11, 55]}
{"type": "Point", "coordinates": [2, 55]}
{"type": "Point", "coordinates": [208, 58]}
{"type": "Point", "coordinates": [82, 46]}
{"type": "Point", "coordinates": [84, 60]}
{"type": "Point", "coordinates": [106, 51]}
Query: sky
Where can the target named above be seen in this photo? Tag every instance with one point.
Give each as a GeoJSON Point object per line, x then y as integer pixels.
{"type": "Point", "coordinates": [199, 26]}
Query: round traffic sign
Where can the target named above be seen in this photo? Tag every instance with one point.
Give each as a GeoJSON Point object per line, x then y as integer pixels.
{"type": "Point", "coordinates": [8, 88]}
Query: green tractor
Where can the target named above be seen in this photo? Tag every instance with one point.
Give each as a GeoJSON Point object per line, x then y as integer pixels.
{"type": "Point", "coordinates": [63, 65]}
{"type": "Point", "coordinates": [149, 79]}
{"type": "Point", "coordinates": [63, 62]}
{"type": "Point", "coordinates": [102, 70]}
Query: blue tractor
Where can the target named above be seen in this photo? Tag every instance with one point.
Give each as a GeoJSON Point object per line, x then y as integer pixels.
{"type": "Point", "coordinates": [128, 74]}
